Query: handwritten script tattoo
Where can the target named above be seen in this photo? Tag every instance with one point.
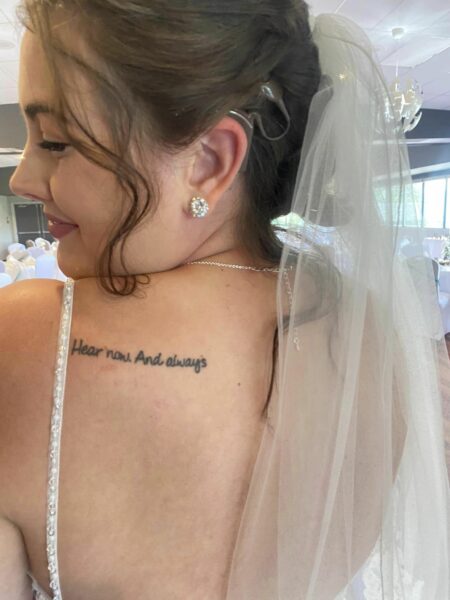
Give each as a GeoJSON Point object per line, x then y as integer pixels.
{"type": "Point", "coordinates": [82, 349]}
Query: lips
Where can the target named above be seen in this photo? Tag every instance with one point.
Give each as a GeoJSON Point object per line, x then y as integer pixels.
{"type": "Point", "coordinates": [58, 221]}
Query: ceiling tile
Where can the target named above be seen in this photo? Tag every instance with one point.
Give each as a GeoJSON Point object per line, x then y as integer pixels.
{"type": "Point", "coordinates": [435, 87]}
{"type": "Point", "coordinates": [434, 69]}
{"type": "Point", "coordinates": [416, 14]}
{"type": "Point", "coordinates": [442, 27]}
{"type": "Point", "coordinates": [426, 44]}
{"type": "Point", "coordinates": [368, 14]}
{"type": "Point", "coordinates": [391, 72]}
{"type": "Point", "coordinates": [3, 17]}
{"type": "Point", "coordinates": [9, 34]}
{"type": "Point", "coordinates": [415, 52]}
{"type": "Point", "coordinates": [10, 69]}
{"type": "Point", "coordinates": [441, 102]}
{"type": "Point", "coordinates": [8, 8]}
{"type": "Point", "coordinates": [324, 6]}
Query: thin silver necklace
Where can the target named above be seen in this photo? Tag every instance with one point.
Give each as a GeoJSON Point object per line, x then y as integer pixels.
{"type": "Point", "coordinates": [217, 264]}
{"type": "Point", "coordinates": [286, 279]}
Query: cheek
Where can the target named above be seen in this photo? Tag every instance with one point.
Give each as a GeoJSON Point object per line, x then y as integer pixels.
{"type": "Point", "coordinates": [95, 228]}
{"type": "Point", "coordinates": [88, 195]}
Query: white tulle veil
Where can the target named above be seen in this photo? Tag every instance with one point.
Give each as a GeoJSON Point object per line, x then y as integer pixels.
{"type": "Point", "coordinates": [349, 496]}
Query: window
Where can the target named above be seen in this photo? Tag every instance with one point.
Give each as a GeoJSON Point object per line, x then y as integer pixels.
{"type": "Point", "coordinates": [434, 202]}
{"type": "Point", "coordinates": [31, 222]}
{"type": "Point", "coordinates": [413, 207]}
{"type": "Point", "coordinates": [447, 205]}
{"type": "Point", "coordinates": [428, 205]}
{"type": "Point", "coordinates": [290, 220]}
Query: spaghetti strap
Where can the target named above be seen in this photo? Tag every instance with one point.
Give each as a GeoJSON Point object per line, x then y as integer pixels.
{"type": "Point", "coordinates": [55, 438]}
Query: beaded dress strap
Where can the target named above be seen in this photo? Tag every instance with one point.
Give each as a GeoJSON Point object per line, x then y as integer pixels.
{"type": "Point", "coordinates": [55, 441]}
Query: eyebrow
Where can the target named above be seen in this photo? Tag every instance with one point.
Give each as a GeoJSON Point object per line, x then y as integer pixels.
{"type": "Point", "coordinates": [34, 109]}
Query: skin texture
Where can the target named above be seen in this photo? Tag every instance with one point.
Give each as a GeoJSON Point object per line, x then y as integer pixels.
{"type": "Point", "coordinates": [80, 192]}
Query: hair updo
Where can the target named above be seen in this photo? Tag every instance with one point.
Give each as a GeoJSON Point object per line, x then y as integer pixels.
{"type": "Point", "coordinates": [175, 69]}
{"type": "Point", "coordinates": [170, 71]}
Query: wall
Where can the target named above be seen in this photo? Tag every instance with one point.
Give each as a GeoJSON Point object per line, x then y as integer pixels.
{"type": "Point", "coordinates": [7, 229]}
{"type": "Point", "coordinates": [5, 176]}
{"type": "Point", "coordinates": [434, 125]}
{"type": "Point", "coordinates": [13, 131]}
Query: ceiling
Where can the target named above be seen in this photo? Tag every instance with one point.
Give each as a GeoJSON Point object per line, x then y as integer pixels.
{"type": "Point", "coordinates": [423, 53]}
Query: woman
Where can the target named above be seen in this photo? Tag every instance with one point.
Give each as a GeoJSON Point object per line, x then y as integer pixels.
{"type": "Point", "coordinates": [164, 139]}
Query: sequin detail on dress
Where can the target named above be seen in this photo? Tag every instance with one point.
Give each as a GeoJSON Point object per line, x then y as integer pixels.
{"type": "Point", "coordinates": [38, 592]}
{"type": "Point", "coordinates": [55, 441]}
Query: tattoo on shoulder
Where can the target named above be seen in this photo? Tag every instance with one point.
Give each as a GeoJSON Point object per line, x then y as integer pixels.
{"type": "Point", "coordinates": [140, 358]}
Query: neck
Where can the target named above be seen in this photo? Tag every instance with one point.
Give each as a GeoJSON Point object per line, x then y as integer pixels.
{"type": "Point", "coordinates": [236, 256]}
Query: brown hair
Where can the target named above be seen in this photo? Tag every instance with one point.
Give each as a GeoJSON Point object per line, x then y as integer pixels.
{"type": "Point", "coordinates": [176, 68]}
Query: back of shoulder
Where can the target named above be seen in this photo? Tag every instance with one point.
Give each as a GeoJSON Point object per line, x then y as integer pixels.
{"type": "Point", "coordinates": [29, 322]}
{"type": "Point", "coordinates": [29, 318]}
{"type": "Point", "coordinates": [27, 306]}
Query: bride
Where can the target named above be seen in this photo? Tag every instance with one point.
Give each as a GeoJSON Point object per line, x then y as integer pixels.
{"type": "Point", "coordinates": [211, 407]}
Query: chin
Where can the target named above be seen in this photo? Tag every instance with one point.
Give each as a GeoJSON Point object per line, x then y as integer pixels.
{"type": "Point", "coordinates": [72, 267]}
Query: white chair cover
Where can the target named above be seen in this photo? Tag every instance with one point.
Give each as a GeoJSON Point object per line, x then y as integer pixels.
{"type": "Point", "coordinates": [46, 267]}
{"type": "Point", "coordinates": [5, 280]}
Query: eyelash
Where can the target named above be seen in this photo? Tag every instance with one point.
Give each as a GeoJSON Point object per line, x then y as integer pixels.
{"type": "Point", "coordinates": [53, 146]}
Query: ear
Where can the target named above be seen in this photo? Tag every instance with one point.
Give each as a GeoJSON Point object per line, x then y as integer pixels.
{"type": "Point", "coordinates": [217, 160]}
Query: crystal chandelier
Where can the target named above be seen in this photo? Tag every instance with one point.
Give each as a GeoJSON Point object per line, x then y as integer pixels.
{"type": "Point", "coordinates": [406, 104]}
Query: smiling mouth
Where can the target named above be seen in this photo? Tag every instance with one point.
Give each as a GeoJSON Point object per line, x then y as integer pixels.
{"type": "Point", "coordinates": [51, 222]}
{"type": "Point", "coordinates": [60, 230]}
{"type": "Point", "coordinates": [55, 221]}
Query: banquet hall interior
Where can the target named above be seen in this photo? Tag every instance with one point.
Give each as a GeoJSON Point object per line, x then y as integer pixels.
{"type": "Point", "coordinates": [412, 41]}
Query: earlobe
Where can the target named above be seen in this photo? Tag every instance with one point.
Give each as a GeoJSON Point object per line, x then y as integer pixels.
{"type": "Point", "coordinates": [219, 158]}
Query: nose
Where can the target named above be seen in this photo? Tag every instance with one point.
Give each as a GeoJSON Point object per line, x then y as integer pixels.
{"type": "Point", "coordinates": [29, 179]}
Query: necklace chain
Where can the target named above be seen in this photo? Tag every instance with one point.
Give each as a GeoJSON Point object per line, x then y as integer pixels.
{"type": "Point", "coordinates": [242, 267]}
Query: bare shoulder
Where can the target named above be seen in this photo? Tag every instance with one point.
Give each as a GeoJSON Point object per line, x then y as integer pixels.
{"type": "Point", "coordinates": [27, 309]}
{"type": "Point", "coordinates": [26, 300]}
{"type": "Point", "coordinates": [29, 327]}
{"type": "Point", "coordinates": [28, 315]}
